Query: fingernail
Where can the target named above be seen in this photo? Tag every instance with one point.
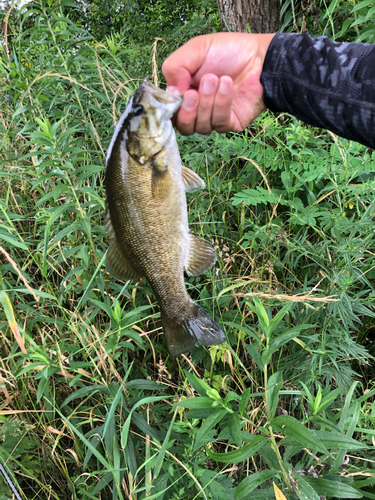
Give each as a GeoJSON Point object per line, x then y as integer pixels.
{"type": "Point", "coordinates": [173, 90]}
{"type": "Point", "coordinates": [208, 85]}
{"type": "Point", "coordinates": [224, 86]}
{"type": "Point", "coordinates": [190, 101]}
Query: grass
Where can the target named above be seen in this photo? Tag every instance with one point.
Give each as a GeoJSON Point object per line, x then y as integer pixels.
{"type": "Point", "coordinates": [91, 405]}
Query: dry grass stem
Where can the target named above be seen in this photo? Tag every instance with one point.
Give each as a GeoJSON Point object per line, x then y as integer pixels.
{"type": "Point", "coordinates": [71, 80]}
{"type": "Point", "coordinates": [154, 63]}
{"type": "Point", "coordinates": [16, 268]}
{"type": "Point", "coordinates": [290, 298]}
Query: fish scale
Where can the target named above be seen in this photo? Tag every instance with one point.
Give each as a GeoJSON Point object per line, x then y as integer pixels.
{"type": "Point", "coordinates": [146, 217]}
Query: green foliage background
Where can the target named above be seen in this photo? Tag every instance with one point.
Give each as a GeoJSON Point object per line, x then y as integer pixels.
{"type": "Point", "coordinates": [91, 405]}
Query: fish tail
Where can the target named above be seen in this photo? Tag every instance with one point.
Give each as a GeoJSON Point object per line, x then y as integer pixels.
{"type": "Point", "coordinates": [195, 330]}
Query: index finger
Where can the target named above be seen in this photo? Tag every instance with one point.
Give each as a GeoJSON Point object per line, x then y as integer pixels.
{"type": "Point", "coordinates": [181, 65]}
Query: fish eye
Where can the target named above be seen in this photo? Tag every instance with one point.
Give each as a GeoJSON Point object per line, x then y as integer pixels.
{"type": "Point", "coordinates": [137, 110]}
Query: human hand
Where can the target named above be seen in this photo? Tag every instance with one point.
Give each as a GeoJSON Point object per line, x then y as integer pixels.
{"type": "Point", "coordinates": [219, 75]}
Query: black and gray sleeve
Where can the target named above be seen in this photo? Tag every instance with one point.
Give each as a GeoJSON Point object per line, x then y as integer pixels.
{"type": "Point", "coordinates": [324, 83]}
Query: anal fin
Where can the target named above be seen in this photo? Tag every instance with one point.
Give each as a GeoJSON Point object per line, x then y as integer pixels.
{"type": "Point", "coordinates": [202, 256]}
{"type": "Point", "coordinates": [192, 181]}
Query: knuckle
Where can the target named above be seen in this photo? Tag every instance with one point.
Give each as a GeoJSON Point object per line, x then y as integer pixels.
{"type": "Point", "coordinates": [220, 124]}
{"type": "Point", "coordinates": [205, 106]}
{"type": "Point", "coordinates": [203, 129]}
{"type": "Point", "coordinates": [221, 128]}
{"type": "Point", "coordinates": [185, 128]}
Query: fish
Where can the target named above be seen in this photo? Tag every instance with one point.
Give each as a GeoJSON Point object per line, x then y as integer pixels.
{"type": "Point", "coordinates": [146, 217]}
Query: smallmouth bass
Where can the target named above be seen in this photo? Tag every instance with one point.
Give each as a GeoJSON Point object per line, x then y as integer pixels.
{"type": "Point", "coordinates": [146, 217]}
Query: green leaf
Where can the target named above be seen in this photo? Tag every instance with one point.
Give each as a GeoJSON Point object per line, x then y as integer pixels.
{"type": "Point", "coordinates": [22, 109]}
{"type": "Point", "coordinates": [304, 489]}
{"type": "Point", "coordinates": [251, 332]}
{"type": "Point", "coordinates": [199, 402]}
{"type": "Point", "coordinates": [126, 426]}
{"type": "Point", "coordinates": [324, 487]}
{"type": "Point", "coordinates": [102, 305]}
{"type": "Point", "coordinates": [148, 385]}
{"type": "Point", "coordinates": [244, 401]}
{"type": "Point", "coordinates": [296, 430]}
{"type": "Point", "coordinates": [93, 450]}
{"type": "Point", "coordinates": [27, 368]}
{"type": "Point", "coordinates": [102, 483]}
{"type": "Point", "coordinates": [197, 384]}
{"type": "Point", "coordinates": [266, 494]}
{"type": "Point", "coordinates": [288, 335]}
{"type": "Point", "coordinates": [261, 312]}
{"type": "Point", "coordinates": [341, 453]}
{"type": "Point", "coordinates": [111, 413]}
{"type": "Point", "coordinates": [336, 440]}
{"type": "Point", "coordinates": [12, 241]}
{"type": "Point", "coordinates": [269, 456]}
{"type": "Point", "coordinates": [328, 399]}
{"type": "Point", "coordinates": [207, 425]}
{"type": "Point", "coordinates": [345, 410]}
{"type": "Point", "coordinates": [220, 486]}
{"type": "Point", "coordinates": [84, 391]}
{"type": "Point", "coordinates": [236, 456]}
{"type": "Point", "coordinates": [130, 455]}
{"type": "Point", "coordinates": [275, 321]}
{"type": "Point", "coordinates": [41, 386]}
{"type": "Point", "coordinates": [66, 231]}
{"type": "Point", "coordinates": [234, 426]}
{"type": "Point", "coordinates": [253, 350]}
{"type": "Point", "coordinates": [308, 394]}
{"type": "Point", "coordinates": [266, 356]}
{"type": "Point", "coordinates": [247, 485]}
{"type": "Point", "coordinates": [274, 385]}
{"type": "Point", "coordinates": [38, 293]}
{"type": "Point", "coordinates": [362, 5]}
{"type": "Point", "coordinates": [141, 423]}
{"type": "Point", "coordinates": [161, 454]}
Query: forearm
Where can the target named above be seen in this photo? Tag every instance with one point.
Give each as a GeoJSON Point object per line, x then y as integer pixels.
{"type": "Point", "coordinates": [324, 83]}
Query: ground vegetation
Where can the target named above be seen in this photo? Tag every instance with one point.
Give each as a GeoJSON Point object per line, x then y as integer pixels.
{"type": "Point", "coordinates": [91, 406]}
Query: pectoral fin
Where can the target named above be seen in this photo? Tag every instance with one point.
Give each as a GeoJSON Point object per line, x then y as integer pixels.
{"type": "Point", "coordinates": [160, 161]}
{"type": "Point", "coordinates": [201, 256]}
{"type": "Point", "coordinates": [192, 181]}
{"type": "Point", "coordinates": [160, 184]}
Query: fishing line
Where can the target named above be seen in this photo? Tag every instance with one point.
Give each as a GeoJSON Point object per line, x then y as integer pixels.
{"type": "Point", "coordinates": [10, 484]}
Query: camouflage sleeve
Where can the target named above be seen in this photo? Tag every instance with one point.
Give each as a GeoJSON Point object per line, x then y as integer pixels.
{"type": "Point", "coordinates": [324, 83]}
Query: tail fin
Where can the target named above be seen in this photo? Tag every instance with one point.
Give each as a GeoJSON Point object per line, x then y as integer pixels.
{"type": "Point", "coordinates": [183, 335]}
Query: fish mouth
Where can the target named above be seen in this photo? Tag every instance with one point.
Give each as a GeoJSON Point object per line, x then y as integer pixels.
{"type": "Point", "coordinates": [149, 136]}
{"type": "Point", "coordinates": [162, 96]}
{"type": "Point", "coordinates": [159, 107]}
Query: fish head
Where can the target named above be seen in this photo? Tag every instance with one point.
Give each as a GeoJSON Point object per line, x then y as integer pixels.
{"type": "Point", "coordinates": [152, 110]}
{"type": "Point", "coordinates": [146, 127]}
